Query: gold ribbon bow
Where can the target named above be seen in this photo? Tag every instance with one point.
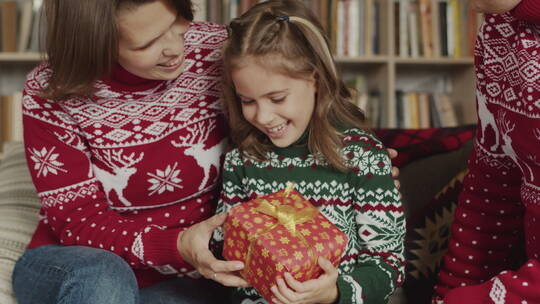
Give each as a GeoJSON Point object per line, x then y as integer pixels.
{"type": "Point", "coordinates": [286, 215]}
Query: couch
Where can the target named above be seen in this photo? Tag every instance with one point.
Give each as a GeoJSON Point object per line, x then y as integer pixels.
{"type": "Point", "coordinates": [432, 162]}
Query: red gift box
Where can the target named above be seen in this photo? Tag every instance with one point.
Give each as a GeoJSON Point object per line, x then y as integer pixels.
{"type": "Point", "coordinates": [277, 233]}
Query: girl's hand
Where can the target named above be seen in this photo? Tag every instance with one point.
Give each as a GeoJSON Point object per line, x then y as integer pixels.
{"type": "Point", "coordinates": [321, 290]}
{"type": "Point", "coordinates": [192, 245]}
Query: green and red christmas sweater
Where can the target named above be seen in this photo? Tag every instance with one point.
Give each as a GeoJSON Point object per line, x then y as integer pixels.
{"type": "Point", "coordinates": [363, 202]}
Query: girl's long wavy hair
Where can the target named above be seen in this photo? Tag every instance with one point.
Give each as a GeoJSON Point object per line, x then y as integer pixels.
{"type": "Point", "coordinates": [82, 41]}
{"type": "Point", "coordinates": [286, 37]}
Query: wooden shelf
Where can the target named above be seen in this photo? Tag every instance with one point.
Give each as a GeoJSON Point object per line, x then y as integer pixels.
{"type": "Point", "coordinates": [434, 61]}
{"type": "Point", "coordinates": [20, 57]}
{"type": "Point", "coordinates": [362, 60]}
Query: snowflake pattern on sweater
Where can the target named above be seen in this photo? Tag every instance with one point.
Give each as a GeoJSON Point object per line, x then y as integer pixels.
{"type": "Point", "coordinates": [363, 202]}
{"type": "Point", "coordinates": [499, 206]}
{"type": "Point", "coordinates": [130, 167]}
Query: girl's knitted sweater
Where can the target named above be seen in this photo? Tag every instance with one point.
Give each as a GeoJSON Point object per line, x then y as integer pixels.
{"type": "Point", "coordinates": [363, 202]}
{"type": "Point", "coordinates": [130, 167]}
{"type": "Point", "coordinates": [499, 209]}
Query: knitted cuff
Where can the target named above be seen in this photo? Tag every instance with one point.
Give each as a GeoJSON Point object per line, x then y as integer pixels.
{"type": "Point", "coordinates": [346, 292]}
{"type": "Point", "coordinates": [161, 249]}
{"type": "Point", "coordinates": [528, 10]}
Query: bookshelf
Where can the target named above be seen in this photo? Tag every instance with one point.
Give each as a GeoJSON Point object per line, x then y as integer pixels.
{"type": "Point", "coordinates": [386, 68]}
{"type": "Point", "coordinates": [393, 61]}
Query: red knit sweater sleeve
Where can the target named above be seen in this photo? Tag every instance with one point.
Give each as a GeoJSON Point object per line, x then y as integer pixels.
{"type": "Point", "coordinates": [74, 205]}
{"type": "Point", "coordinates": [519, 286]}
{"type": "Point", "coordinates": [486, 224]}
{"type": "Point", "coordinates": [528, 10]}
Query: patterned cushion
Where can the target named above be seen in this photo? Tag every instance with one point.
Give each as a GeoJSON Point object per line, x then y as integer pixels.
{"type": "Point", "coordinates": [430, 189]}
{"type": "Point", "coordinates": [415, 144]}
{"type": "Point", "coordinates": [19, 207]}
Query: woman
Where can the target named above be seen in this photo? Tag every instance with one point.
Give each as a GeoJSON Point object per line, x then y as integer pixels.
{"type": "Point", "coordinates": [124, 138]}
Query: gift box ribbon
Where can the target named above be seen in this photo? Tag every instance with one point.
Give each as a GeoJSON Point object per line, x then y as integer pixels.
{"type": "Point", "coordinates": [288, 217]}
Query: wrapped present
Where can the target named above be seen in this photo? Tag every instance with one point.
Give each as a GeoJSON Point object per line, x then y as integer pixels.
{"type": "Point", "coordinates": [277, 233]}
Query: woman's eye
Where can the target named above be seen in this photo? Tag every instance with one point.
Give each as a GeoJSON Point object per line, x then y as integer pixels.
{"type": "Point", "coordinates": [278, 99]}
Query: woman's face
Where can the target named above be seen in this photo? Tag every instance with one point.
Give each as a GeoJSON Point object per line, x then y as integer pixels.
{"type": "Point", "coordinates": [151, 42]}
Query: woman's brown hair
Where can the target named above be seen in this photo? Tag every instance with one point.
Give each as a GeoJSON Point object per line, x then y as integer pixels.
{"type": "Point", "coordinates": [82, 41]}
{"type": "Point", "coordinates": [290, 32]}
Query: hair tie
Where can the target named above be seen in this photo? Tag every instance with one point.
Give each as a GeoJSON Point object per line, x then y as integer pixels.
{"type": "Point", "coordinates": [283, 18]}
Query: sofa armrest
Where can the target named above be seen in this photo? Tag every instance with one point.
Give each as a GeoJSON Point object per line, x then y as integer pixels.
{"type": "Point", "coordinates": [19, 208]}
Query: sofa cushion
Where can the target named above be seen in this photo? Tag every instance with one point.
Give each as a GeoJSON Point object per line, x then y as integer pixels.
{"type": "Point", "coordinates": [19, 207]}
{"type": "Point", "coordinates": [413, 144]}
{"type": "Point", "coordinates": [430, 190]}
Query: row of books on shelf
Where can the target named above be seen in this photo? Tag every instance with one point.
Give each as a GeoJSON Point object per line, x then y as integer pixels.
{"type": "Point", "coordinates": [352, 25]}
{"type": "Point", "coordinates": [413, 110]}
{"type": "Point", "coordinates": [20, 25]}
{"type": "Point", "coordinates": [433, 28]}
{"type": "Point", "coordinates": [11, 118]}
{"type": "Point", "coordinates": [419, 110]}
{"type": "Point", "coordinates": [428, 28]}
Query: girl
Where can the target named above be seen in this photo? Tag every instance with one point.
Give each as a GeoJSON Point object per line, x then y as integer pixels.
{"type": "Point", "coordinates": [123, 139]}
{"type": "Point", "coordinates": [292, 120]}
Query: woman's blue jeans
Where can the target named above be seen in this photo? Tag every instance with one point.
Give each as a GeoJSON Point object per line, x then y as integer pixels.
{"type": "Point", "coordinates": [83, 275]}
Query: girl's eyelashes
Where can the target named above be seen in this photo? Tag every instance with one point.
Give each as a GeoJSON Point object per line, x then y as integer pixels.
{"type": "Point", "coordinates": [278, 99]}
{"type": "Point", "coordinates": [246, 101]}
{"type": "Point", "coordinates": [273, 99]}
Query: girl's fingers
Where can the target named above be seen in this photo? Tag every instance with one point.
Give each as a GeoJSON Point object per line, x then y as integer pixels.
{"type": "Point", "coordinates": [277, 294]}
{"type": "Point", "coordinates": [326, 265]}
{"type": "Point", "coordinates": [284, 290]}
{"type": "Point", "coordinates": [330, 273]}
{"type": "Point", "coordinates": [293, 283]}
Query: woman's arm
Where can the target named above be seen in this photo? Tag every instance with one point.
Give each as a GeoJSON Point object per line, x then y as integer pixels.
{"type": "Point", "coordinates": [493, 6]}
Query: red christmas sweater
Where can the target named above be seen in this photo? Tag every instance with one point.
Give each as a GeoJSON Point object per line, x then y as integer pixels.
{"type": "Point", "coordinates": [129, 168]}
{"type": "Point", "coordinates": [499, 209]}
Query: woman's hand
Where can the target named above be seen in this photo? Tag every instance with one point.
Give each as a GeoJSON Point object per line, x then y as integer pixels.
{"type": "Point", "coordinates": [192, 245]}
{"type": "Point", "coordinates": [321, 290]}
{"type": "Point", "coordinates": [395, 170]}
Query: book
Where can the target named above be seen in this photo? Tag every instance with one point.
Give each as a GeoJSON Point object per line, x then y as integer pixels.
{"type": "Point", "coordinates": [25, 26]}
{"type": "Point", "coordinates": [369, 21]}
{"type": "Point", "coordinates": [16, 114]}
{"type": "Point", "coordinates": [423, 110]}
{"type": "Point", "coordinates": [445, 110]}
{"type": "Point", "coordinates": [412, 22]}
{"type": "Point", "coordinates": [38, 26]}
{"type": "Point", "coordinates": [8, 25]}
{"type": "Point", "coordinates": [456, 28]}
{"type": "Point", "coordinates": [433, 113]}
{"type": "Point", "coordinates": [443, 33]}
{"type": "Point", "coordinates": [414, 111]}
{"type": "Point", "coordinates": [403, 28]}
{"type": "Point", "coordinates": [435, 26]}
{"type": "Point", "coordinates": [374, 113]}
{"type": "Point", "coordinates": [7, 118]}
{"type": "Point", "coordinates": [426, 27]}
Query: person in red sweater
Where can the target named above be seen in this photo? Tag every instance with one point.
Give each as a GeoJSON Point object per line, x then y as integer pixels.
{"type": "Point", "coordinates": [124, 140]}
{"type": "Point", "coordinates": [498, 213]}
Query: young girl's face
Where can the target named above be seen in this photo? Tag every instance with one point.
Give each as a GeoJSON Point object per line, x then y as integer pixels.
{"type": "Point", "coordinates": [151, 43]}
{"type": "Point", "coordinates": [278, 105]}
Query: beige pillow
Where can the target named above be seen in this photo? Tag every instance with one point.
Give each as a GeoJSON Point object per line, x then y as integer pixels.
{"type": "Point", "coordinates": [19, 207]}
